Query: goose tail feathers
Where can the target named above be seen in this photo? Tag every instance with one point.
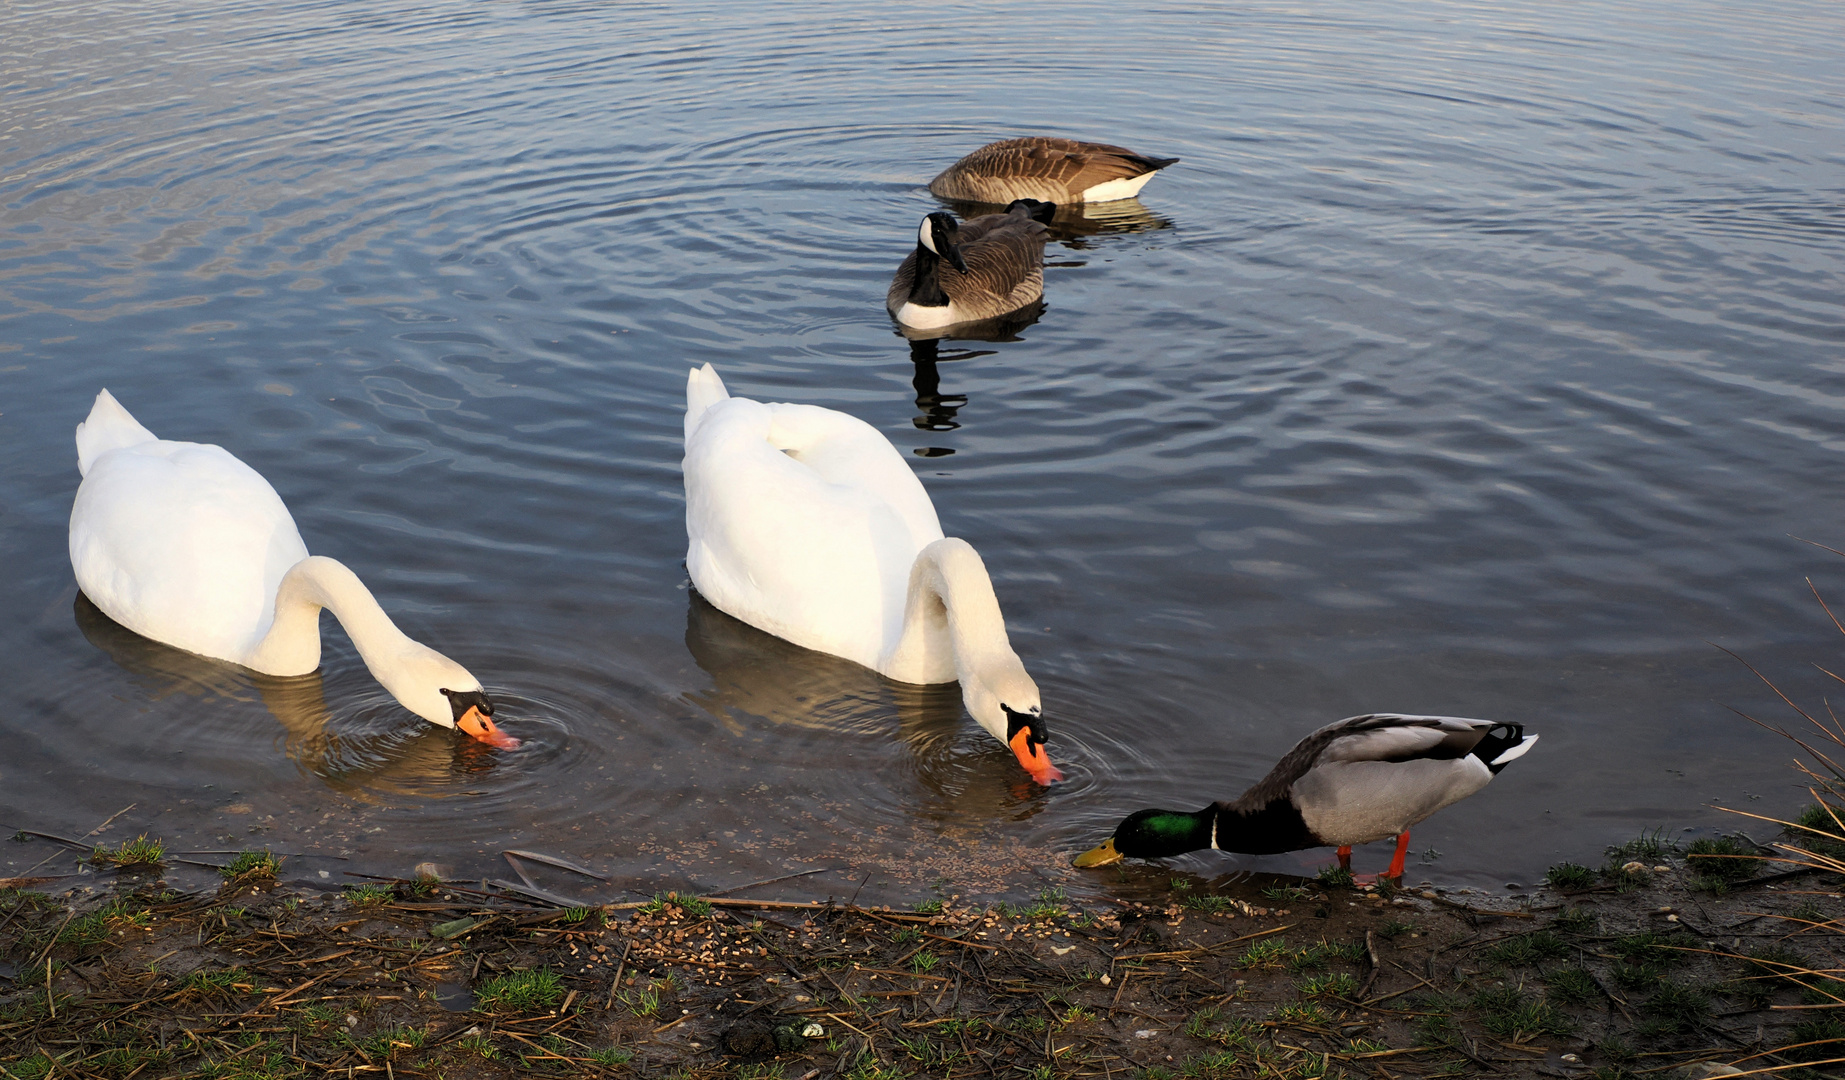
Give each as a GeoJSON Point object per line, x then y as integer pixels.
{"type": "Point", "coordinates": [108, 427]}
{"type": "Point", "coordinates": [703, 389]}
{"type": "Point", "coordinates": [1036, 209]}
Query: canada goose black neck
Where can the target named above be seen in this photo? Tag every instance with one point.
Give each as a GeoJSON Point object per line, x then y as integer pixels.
{"type": "Point", "coordinates": [927, 291]}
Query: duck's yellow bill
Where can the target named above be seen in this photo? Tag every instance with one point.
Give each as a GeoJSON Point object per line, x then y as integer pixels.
{"type": "Point", "coordinates": [1099, 856]}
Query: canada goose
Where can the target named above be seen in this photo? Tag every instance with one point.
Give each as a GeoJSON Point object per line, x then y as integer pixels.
{"type": "Point", "coordinates": [806, 523]}
{"type": "Point", "coordinates": [1350, 782]}
{"type": "Point", "coordinates": [183, 543]}
{"type": "Point", "coordinates": [965, 271]}
{"type": "Point", "coordinates": [1052, 169]}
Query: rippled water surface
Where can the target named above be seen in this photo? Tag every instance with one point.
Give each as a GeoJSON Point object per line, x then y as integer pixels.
{"type": "Point", "coordinates": [1469, 362]}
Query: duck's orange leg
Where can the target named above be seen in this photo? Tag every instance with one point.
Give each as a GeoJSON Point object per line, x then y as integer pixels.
{"type": "Point", "coordinates": [1345, 856]}
{"type": "Point", "coordinates": [1395, 873]}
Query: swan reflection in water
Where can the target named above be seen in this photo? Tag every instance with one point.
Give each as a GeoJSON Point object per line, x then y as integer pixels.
{"type": "Point", "coordinates": [756, 674]}
{"type": "Point", "coordinates": [1075, 223]}
{"type": "Point", "coordinates": [393, 758]}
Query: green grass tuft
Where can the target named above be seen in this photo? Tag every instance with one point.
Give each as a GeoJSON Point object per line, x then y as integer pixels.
{"type": "Point", "coordinates": [520, 991]}
{"type": "Point", "coordinates": [251, 864]}
{"type": "Point", "coordinates": [1571, 877]}
{"type": "Point", "coordinates": [1515, 1016]}
{"type": "Point", "coordinates": [1575, 921]}
{"type": "Point", "coordinates": [370, 895]}
{"type": "Point", "coordinates": [1528, 950]}
{"type": "Point", "coordinates": [1339, 984]}
{"type": "Point", "coordinates": [1571, 986]}
{"type": "Point", "coordinates": [672, 902]}
{"type": "Point", "coordinates": [1723, 859]}
{"type": "Point", "coordinates": [1677, 1006]}
{"type": "Point", "coordinates": [1335, 877]}
{"type": "Point", "coordinates": [132, 854]}
{"type": "Point", "coordinates": [1823, 1030]}
{"type": "Point", "coordinates": [1267, 953]}
{"type": "Point", "coordinates": [1650, 847]}
{"type": "Point", "coordinates": [1652, 947]}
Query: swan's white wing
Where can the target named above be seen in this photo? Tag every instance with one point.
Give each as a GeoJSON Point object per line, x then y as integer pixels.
{"type": "Point", "coordinates": [849, 453]}
{"type": "Point", "coordinates": [183, 543]}
{"type": "Point", "coordinates": [108, 427]}
{"type": "Point", "coordinates": [813, 544]}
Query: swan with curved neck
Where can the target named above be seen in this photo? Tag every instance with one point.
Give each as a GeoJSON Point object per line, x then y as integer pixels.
{"type": "Point", "coordinates": [185, 544]}
{"type": "Point", "coordinates": [806, 523]}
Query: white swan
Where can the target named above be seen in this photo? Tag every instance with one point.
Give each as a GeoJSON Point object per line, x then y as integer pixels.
{"type": "Point", "coordinates": [183, 543]}
{"type": "Point", "coordinates": [807, 523]}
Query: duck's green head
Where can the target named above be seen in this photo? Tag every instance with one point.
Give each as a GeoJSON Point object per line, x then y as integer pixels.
{"type": "Point", "coordinates": [1153, 834]}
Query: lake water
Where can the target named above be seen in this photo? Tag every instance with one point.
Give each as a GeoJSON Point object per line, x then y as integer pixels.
{"type": "Point", "coordinates": [1470, 362]}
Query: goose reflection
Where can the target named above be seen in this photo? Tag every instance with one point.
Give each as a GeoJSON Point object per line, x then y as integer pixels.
{"type": "Point", "coordinates": [939, 409]}
{"type": "Point", "coordinates": [1075, 223]}
{"type": "Point", "coordinates": [420, 760]}
{"type": "Point", "coordinates": [755, 674]}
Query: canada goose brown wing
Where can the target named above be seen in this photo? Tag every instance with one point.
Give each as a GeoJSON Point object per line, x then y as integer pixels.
{"type": "Point", "coordinates": [1054, 169]}
{"type": "Point", "coordinates": [902, 284]}
{"type": "Point", "coordinates": [973, 230]}
{"type": "Point", "coordinates": [1004, 258]}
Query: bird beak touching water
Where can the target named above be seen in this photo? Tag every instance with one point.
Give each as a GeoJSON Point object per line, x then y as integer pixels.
{"type": "Point", "coordinates": [1031, 755]}
{"type": "Point", "coordinates": [482, 727]}
{"type": "Point", "coordinates": [1099, 856]}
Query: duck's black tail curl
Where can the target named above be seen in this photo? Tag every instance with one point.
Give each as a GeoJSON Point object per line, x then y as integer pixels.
{"type": "Point", "coordinates": [1499, 738]}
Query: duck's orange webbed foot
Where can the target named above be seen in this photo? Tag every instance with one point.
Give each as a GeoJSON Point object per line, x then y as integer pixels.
{"type": "Point", "coordinates": [1395, 873]}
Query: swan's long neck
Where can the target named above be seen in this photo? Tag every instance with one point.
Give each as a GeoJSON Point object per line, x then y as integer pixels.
{"type": "Point", "coordinates": [952, 626]}
{"type": "Point", "coordinates": [292, 645]}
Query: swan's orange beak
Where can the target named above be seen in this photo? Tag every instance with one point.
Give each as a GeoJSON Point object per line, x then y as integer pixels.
{"type": "Point", "coordinates": [1032, 756]}
{"type": "Point", "coordinates": [482, 728]}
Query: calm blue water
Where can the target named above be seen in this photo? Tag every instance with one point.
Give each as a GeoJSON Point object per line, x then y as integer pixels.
{"type": "Point", "coordinates": [1470, 362]}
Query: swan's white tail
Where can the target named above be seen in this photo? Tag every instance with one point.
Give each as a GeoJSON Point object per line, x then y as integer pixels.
{"type": "Point", "coordinates": [109, 427]}
{"type": "Point", "coordinates": [703, 389]}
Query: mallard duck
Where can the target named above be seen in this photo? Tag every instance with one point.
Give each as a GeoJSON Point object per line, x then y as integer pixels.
{"type": "Point", "coordinates": [183, 543]}
{"type": "Point", "coordinates": [1351, 782]}
{"type": "Point", "coordinates": [1043, 167]}
{"type": "Point", "coordinates": [982, 268]}
{"type": "Point", "coordinates": [808, 524]}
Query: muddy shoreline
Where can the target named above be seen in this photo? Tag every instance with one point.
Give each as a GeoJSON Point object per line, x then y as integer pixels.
{"type": "Point", "coordinates": [1636, 969]}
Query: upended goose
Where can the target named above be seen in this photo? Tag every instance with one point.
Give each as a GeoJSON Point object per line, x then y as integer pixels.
{"type": "Point", "coordinates": [806, 523]}
{"type": "Point", "coordinates": [982, 268]}
{"type": "Point", "coordinates": [1351, 782]}
{"type": "Point", "coordinates": [183, 543]}
{"type": "Point", "coordinates": [1042, 167]}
